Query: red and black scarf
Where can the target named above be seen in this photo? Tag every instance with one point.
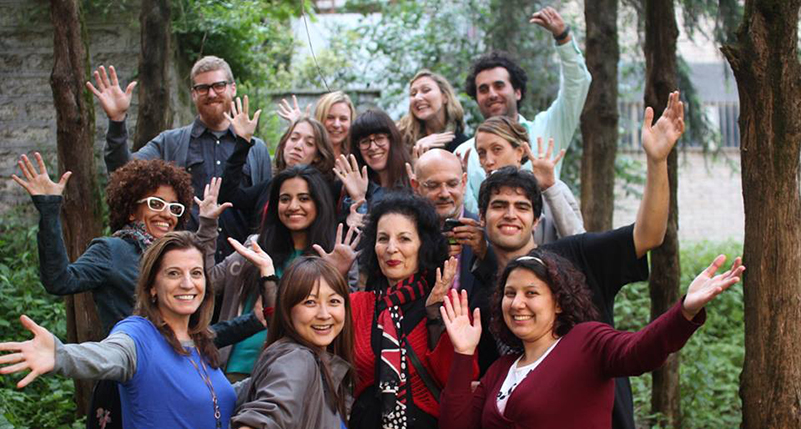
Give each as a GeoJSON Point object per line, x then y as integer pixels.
{"type": "Point", "coordinates": [393, 369]}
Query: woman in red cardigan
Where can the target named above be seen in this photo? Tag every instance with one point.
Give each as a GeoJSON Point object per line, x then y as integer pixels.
{"type": "Point", "coordinates": [400, 357]}
{"type": "Point", "coordinates": [561, 372]}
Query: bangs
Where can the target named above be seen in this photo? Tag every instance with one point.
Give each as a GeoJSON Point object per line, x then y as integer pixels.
{"type": "Point", "coordinates": [370, 122]}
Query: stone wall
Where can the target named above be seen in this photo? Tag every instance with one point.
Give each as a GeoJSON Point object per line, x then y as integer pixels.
{"type": "Point", "coordinates": [710, 196]}
{"type": "Point", "coordinates": [27, 115]}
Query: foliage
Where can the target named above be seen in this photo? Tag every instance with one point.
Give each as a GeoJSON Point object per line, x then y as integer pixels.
{"type": "Point", "coordinates": [713, 358]}
{"type": "Point", "coordinates": [47, 402]}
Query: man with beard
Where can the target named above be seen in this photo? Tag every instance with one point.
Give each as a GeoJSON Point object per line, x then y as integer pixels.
{"type": "Point", "coordinates": [202, 147]}
{"type": "Point", "coordinates": [510, 203]}
{"type": "Point", "coordinates": [498, 85]}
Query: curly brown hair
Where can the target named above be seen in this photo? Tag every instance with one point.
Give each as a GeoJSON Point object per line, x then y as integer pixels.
{"type": "Point", "coordinates": [138, 178]}
{"type": "Point", "coordinates": [567, 284]}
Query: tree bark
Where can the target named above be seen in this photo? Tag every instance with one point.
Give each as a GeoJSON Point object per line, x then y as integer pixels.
{"type": "Point", "coordinates": [765, 62]}
{"type": "Point", "coordinates": [75, 138]}
{"type": "Point", "coordinates": [661, 33]}
{"type": "Point", "coordinates": [154, 59]}
{"type": "Point", "coordinates": [600, 116]}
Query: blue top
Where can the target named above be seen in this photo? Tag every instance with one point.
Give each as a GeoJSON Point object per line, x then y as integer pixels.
{"type": "Point", "coordinates": [166, 391]}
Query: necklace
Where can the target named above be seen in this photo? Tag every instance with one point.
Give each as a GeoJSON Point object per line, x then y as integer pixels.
{"type": "Point", "coordinates": [204, 374]}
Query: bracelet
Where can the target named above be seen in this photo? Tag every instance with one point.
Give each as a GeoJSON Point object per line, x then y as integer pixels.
{"type": "Point", "coordinates": [270, 278]}
{"type": "Point", "coordinates": [564, 34]}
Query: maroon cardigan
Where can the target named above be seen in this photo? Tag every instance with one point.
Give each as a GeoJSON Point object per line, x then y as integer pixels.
{"type": "Point", "coordinates": [574, 386]}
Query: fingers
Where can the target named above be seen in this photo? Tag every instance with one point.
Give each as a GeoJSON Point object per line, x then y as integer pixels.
{"type": "Point", "coordinates": [410, 172]}
{"type": "Point", "coordinates": [355, 206]}
{"type": "Point", "coordinates": [30, 325]}
{"type": "Point", "coordinates": [29, 166]}
{"type": "Point", "coordinates": [245, 106]}
{"type": "Point", "coordinates": [11, 358]}
{"type": "Point", "coordinates": [239, 105]}
{"type": "Point", "coordinates": [549, 152]}
{"type": "Point", "coordinates": [477, 317]}
{"type": "Point", "coordinates": [104, 77]}
{"type": "Point", "coordinates": [113, 73]}
{"type": "Point", "coordinates": [465, 159]}
{"type": "Point", "coordinates": [338, 236]}
{"type": "Point", "coordinates": [17, 367]}
{"type": "Point", "coordinates": [11, 346]}
{"type": "Point", "coordinates": [256, 116]}
{"type": "Point", "coordinates": [319, 249]}
{"type": "Point", "coordinates": [93, 89]}
{"type": "Point", "coordinates": [129, 89]}
{"type": "Point", "coordinates": [295, 102]}
{"type": "Point", "coordinates": [717, 263]}
{"type": "Point", "coordinates": [355, 243]}
{"type": "Point", "coordinates": [648, 120]}
{"type": "Point", "coordinates": [28, 379]}
{"type": "Point", "coordinates": [256, 248]}
{"type": "Point", "coordinates": [354, 165]}
{"type": "Point", "coordinates": [198, 201]}
{"type": "Point", "coordinates": [438, 278]}
{"type": "Point", "coordinates": [242, 250]}
{"type": "Point", "coordinates": [65, 178]}
{"type": "Point", "coordinates": [22, 183]}
{"type": "Point", "coordinates": [559, 156]}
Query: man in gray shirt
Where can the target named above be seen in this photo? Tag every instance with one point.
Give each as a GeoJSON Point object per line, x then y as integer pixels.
{"type": "Point", "coordinates": [202, 147]}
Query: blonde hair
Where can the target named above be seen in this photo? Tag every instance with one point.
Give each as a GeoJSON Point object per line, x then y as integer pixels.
{"type": "Point", "coordinates": [324, 105]}
{"type": "Point", "coordinates": [211, 63]}
{"type": "Point", "coordinates": [413, 129]}
{"type": "Point", "coordinates": [506, 129]}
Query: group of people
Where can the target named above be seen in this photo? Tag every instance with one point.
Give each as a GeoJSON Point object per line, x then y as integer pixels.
{"type": "Point", "coordinates": [407, 276]}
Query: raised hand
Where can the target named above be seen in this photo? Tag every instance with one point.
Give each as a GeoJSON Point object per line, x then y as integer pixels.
{"type": "Point", "coordinates": [432, 141]}
{"type": "Point", "coordinates": [550, 20]}
{"type": "Point", "coordinates": [208, 206]}
{"type": "Point", "coordinates": [243, 125]}
{"type": "Point", "coordinates": [443, 283]}
{"type": "Point", "coordinates": [37, 355]}
{"type": "Point", "coordinates": [465, 158]}
{"type": "Point", "coordinates": [354, 181]}
{"type": "Point", "coordinates": [410, 173]}
{"type": "Point", "coordinates": [471, 233]}
{"type": "Point", "coordinates": [291, 113]}
{"type": "Point", "coordinates": [463, 334]}
{"type": "Point", "coordinates": [112, 99]}
{"type": "Point", "coordinates": [39, 183]}
{"type": "Point", "coordinates": [344, 252]}
{"type": "Point", "coordinates": [707, 285]}
{"type": "Point", "coordinates": [255, 255]}
{"type": "Point", "coordinates": [658, 139]}
{"type": "Point", "coordinates": [543, 166]}
{"type": "Point", "coordinates": [356, 219]}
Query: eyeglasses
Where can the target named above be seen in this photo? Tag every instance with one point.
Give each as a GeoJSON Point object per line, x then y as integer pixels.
{"type": "Point", "coordinates": [157, 205]}
{"type": "Point", "coordinates": [380, 140]}
{"type": "Point", "coordinates": [203, 89]}
{"type": "Point", "coordinates": [433, 186]}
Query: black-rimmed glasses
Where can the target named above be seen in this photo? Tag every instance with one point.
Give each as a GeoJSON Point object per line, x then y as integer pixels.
{"type": "Point", "coordinates": [218, 87]}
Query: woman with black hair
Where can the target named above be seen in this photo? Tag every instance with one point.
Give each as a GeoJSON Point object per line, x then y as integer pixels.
{"type": "Point", "coordinates": [301, 217]}
{"type": "Point", "coordinates": [562, 367]}
{"type": "Point", "coordinates": [401, 360]}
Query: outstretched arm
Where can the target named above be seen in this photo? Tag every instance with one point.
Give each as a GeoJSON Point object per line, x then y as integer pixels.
{"type": "Point", "coordinates": [657, 141]}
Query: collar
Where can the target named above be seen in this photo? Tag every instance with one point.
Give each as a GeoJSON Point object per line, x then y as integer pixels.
{"type": "Point", "coordinates": [199, 127]}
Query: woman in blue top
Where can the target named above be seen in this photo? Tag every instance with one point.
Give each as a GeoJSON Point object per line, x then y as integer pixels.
{"type": "Point", "coordinates": [164, 356]}
{"type": "Point", "coordinates": [300, 222]}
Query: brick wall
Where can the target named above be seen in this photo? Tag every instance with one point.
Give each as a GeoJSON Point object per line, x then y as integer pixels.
{"type": "Point", "coordinates": [710, 196]}
{"type": "Point", "coordinates": [27, 115]}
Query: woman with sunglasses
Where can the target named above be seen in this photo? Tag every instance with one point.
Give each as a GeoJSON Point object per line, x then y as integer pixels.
{"type": "Point", "coordinates": [146, 200]}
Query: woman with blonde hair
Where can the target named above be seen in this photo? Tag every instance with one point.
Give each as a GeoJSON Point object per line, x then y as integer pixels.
{"type": "Point", "coordinates": [435, 118]}
{"type": "Point", "coordinates": [334, 110]}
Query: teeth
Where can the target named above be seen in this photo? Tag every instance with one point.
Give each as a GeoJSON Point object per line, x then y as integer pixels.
{"type": "Point", "coordinates": [185, 297]}
{"type": "Point", "coordinates": [522, 317]}
{"type": "Point", "coordinates": [321, 327]}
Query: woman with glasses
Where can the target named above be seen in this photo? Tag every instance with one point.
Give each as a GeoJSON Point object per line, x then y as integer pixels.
{"type": "Point", "coordinates": [435, 118]}
{"type": "Point", "coordinates": [146, 200]}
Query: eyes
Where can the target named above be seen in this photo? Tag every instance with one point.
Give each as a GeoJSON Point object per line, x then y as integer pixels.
{"type": "Point", "coordinates": [511, 293]}
{"type": "Point", "coordinates": [174, 273]}
{"type": "Point", "coordinates": [333, 301]}
{"type": "Point", "coordinates": [483, 89]}
{"type": "Point", "coordinates": [385, 239]}
{"type": "Point", "coordinates": [308, 140]}
{"type": "Point", "coordinates": [286, 199]}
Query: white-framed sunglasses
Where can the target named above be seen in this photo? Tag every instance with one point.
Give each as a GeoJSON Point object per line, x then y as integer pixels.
{"type": "Point", "coordinates": [157, 205]}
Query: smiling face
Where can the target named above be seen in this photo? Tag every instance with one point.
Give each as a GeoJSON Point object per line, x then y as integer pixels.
{"type": "Point", "coordinates": [211, 106]}
{"type": "Point", "coordinates": [440, 180]}
{"type": "Point", "coordinates": [296, 208]}
{"type": "Point", "coordinates": [375, 151]}
{"type": "Point", "coordinates": [510, 220]}
{"type": "Point", "coordinates": [397, 245]}
{"type": "Point", "coordinates": [495, 152]}
{"type": "Point", "coordinates": [337, 123]}
{"type": "Point", "coordinates": [320, 317]}
{"type": "Point", "coordinates": [180, 285]}
{"type": "Point", "coordinates": [301, 147]}
{"type": "Point", "coordinates": [495, 94]}
{"type": "Point", "coordinates": [157, 223]}
{"type": "Point", "coordinates": [426, 100]}
{"type": "Point", "coordinates": [529, 308]}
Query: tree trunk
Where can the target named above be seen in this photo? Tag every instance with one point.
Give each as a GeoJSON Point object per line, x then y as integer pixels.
{"type": "Point", "coordinates": [600, 116]}
{"type": "Point", "coordinates": [661, 33]}
{"type": "Point", "coordinates": [154, 59]}
{"type": "Point", "coordinates": [764, 58]}
{"type": "Point", "coordinates": [75, 137]}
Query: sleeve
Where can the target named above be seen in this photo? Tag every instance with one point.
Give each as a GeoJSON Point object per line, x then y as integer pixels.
{"type": "Point", "coordinates": [460, 407]}
{"type": "Point", "coordinates": [565, 209]}
{"type": "Point", "coordinates": [279, 392]}
{"type": "Point", "coordinates": [562, 116]}
{"type": "Point", "coordinates": [111, 359]}
{"type": "Point", "coordinates": [223, 273]}
{"type": "Point", "coordinates": [233, 185]}
{"type": "Point", "coordinates": [207, 233]}
{"type": "Point", "coordinates": [633, 353]}
{"type": "Point", "coordinates": [59, 277]}
{"type": "Point", "coordinates": [116, 152]}
{"type": "Point", "coordinates": [234, 330]}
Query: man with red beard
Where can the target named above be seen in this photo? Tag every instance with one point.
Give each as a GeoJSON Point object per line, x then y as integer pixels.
{"type": "Point", "coordinates": [202, 147]}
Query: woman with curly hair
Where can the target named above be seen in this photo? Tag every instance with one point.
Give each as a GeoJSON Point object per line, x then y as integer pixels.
{"type": "Point", "coordinates": [146, 200]}
{"type": "Point", "coordinates": [163, 356]}
{"type": "Point", "coordinates": [435, 118]}
{"type": "Point", "coordinates": [400, 357]}
{"type": "Point", "coordinates": [562, 365]}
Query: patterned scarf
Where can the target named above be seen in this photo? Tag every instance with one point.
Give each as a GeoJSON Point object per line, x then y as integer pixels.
{"type": "Point", "coordinates": [136, 234]}
{"type": "Point", "coordinates": [393, 370]}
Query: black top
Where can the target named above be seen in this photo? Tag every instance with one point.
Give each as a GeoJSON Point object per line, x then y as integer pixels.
{"type": "Point", "coordinates": [458, 139]}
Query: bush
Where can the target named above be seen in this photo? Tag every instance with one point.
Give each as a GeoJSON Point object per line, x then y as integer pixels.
{"type": "Point", "coordinates": [712, 360]}
{"type": "Point", "coordinates": [47, 402]}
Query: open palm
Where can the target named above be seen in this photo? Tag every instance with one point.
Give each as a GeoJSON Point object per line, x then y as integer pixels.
{"type": "Point", "coordinates": [37, 355]}
{"type": "Point", "coordinates": [463, 334]}
{"type": "Point", "coordinates": [38, 182]}
{"type": "Point", "coordinates": [658, 139]}
{"type": "Point", "coordinates": [707, 285]}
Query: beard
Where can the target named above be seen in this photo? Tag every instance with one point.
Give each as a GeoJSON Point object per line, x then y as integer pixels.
{"type": "Point", "coordinates": [211, 111]}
